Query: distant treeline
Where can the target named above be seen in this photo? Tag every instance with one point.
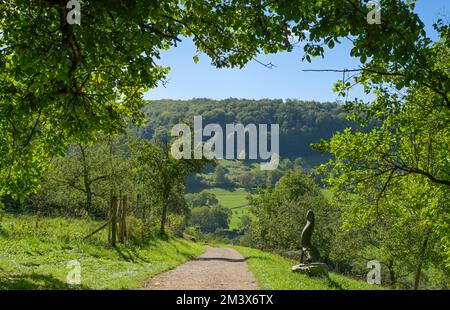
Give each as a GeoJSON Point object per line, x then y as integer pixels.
{"type": "Point", "coordinates": [301, 122]}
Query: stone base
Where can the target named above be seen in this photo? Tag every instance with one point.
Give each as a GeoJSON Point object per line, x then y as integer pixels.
{"type": "Point", "coordinates": [312, 269]}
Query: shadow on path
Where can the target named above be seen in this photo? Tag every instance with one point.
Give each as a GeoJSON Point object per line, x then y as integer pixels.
{"type": "Point", "coordinates": [231, 260]}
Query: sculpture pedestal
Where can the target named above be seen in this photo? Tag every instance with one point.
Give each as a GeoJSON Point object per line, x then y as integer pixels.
{"type": "Point", "coordinates": [313, 269]}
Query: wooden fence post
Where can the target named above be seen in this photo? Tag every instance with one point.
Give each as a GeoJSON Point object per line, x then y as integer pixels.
{"type": "Point", "coordinates": [110, 216]}
{"type": "Point", "coordinates": [114, 203]}
{"type": "Point", "coordinates": [124, 217]}
{"type": "Point", "coordinates": [119, 218]}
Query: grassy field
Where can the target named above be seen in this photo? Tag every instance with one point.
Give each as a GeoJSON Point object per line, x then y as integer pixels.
{"type": "Point", "coordinates": [37, 258]}
{"type": "Point", "coordinates": [273, 272]}
{"type": "Point", "coordinates": [230, 198]}
{"type": "Point", "coordinates": [236, 200]}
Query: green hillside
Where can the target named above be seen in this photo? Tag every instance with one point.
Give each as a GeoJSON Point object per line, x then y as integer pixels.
{"type": "Point", "coordinates": [301, 122]}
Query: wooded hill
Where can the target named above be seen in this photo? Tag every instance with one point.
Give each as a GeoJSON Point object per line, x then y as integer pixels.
{"type": "Point", "coordinates": [301, 122]}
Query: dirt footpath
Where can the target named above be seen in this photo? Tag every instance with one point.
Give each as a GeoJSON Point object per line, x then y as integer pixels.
{"type": "Point", "coordinates": [216, 269]}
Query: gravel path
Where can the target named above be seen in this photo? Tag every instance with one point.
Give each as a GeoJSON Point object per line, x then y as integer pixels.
{"type": "Point", "coordinates": [216, 269]}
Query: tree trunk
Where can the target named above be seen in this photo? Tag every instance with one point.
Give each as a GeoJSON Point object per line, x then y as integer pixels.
{"type": "Point", "coordinates": [417, 275]}
{"type": "Point", "coordinates": [38, 218]}
{"type": "Point", "coordinates": [110, 217]}
{"type": "Point", "coordinates": [162, 229]}
{"type": "Point", "coordinates": [124, 217]}
{"type": "Point", "coordinates": [120, 218]}
{"type": "Point", "coordinates": [86, 179]}
{"type": "Point", "coordinates": [422, 255]}
{"type": "Point", "coordinates": [138, 207]}
{"type": "Point", "coordinates": [392, 275]}
{"type": "Point", "coordinates": [148, 220]}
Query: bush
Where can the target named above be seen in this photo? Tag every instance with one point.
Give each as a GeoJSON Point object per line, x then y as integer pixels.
{"type": "Point", "coordinates": [201, 199]}
{"type": "Point", "coordinates": [176, 224]}
{"type": "Point", "coordinates": [210, 219]}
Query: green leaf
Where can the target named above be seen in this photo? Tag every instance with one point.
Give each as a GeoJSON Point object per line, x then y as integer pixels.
{"type": "Point", "coordinates": [196, 58]}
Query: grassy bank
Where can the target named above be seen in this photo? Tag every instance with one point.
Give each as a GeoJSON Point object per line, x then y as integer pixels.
{"type": "Point", "coordinates": [273, 272]}
{"type": "Point", "coordinates": [36, 256]}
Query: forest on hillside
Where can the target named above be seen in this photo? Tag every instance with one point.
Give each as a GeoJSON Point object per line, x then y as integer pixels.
{"type": "Point", "coordinates": [302, 123]}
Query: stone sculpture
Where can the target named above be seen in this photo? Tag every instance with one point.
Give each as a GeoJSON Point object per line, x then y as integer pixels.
{"type": "Point", "coordinates": [309, 255]}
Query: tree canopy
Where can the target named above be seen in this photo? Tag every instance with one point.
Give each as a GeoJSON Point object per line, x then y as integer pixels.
{"type": "Point", "coordinates": [71, 81]}
{"type": "Point", "coordinates": [63, 83]}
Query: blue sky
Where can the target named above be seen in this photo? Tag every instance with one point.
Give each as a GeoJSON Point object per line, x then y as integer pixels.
{"type": "Point", "coordinates": [189, 80]}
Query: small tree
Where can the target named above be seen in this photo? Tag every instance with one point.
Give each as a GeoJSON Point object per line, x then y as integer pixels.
{"type": "Point", "coordinates": [162, 175]}
{"type": "Point", "coordinates": [210, 218]}
{"type": "Point", "coordinates": [201, 199]}
{"type": "Point", "coordinates": [220, 178]}
{"type": "Point", "coordinates": [83, 179]}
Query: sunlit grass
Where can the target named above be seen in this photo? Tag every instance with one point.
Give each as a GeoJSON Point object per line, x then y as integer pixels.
{"type": "Point", "coordinates": [273, 272]}
{"type": "Point", "coordinates": [36, 257]}
{"type": "Point", "coordinates": [236, 200]}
